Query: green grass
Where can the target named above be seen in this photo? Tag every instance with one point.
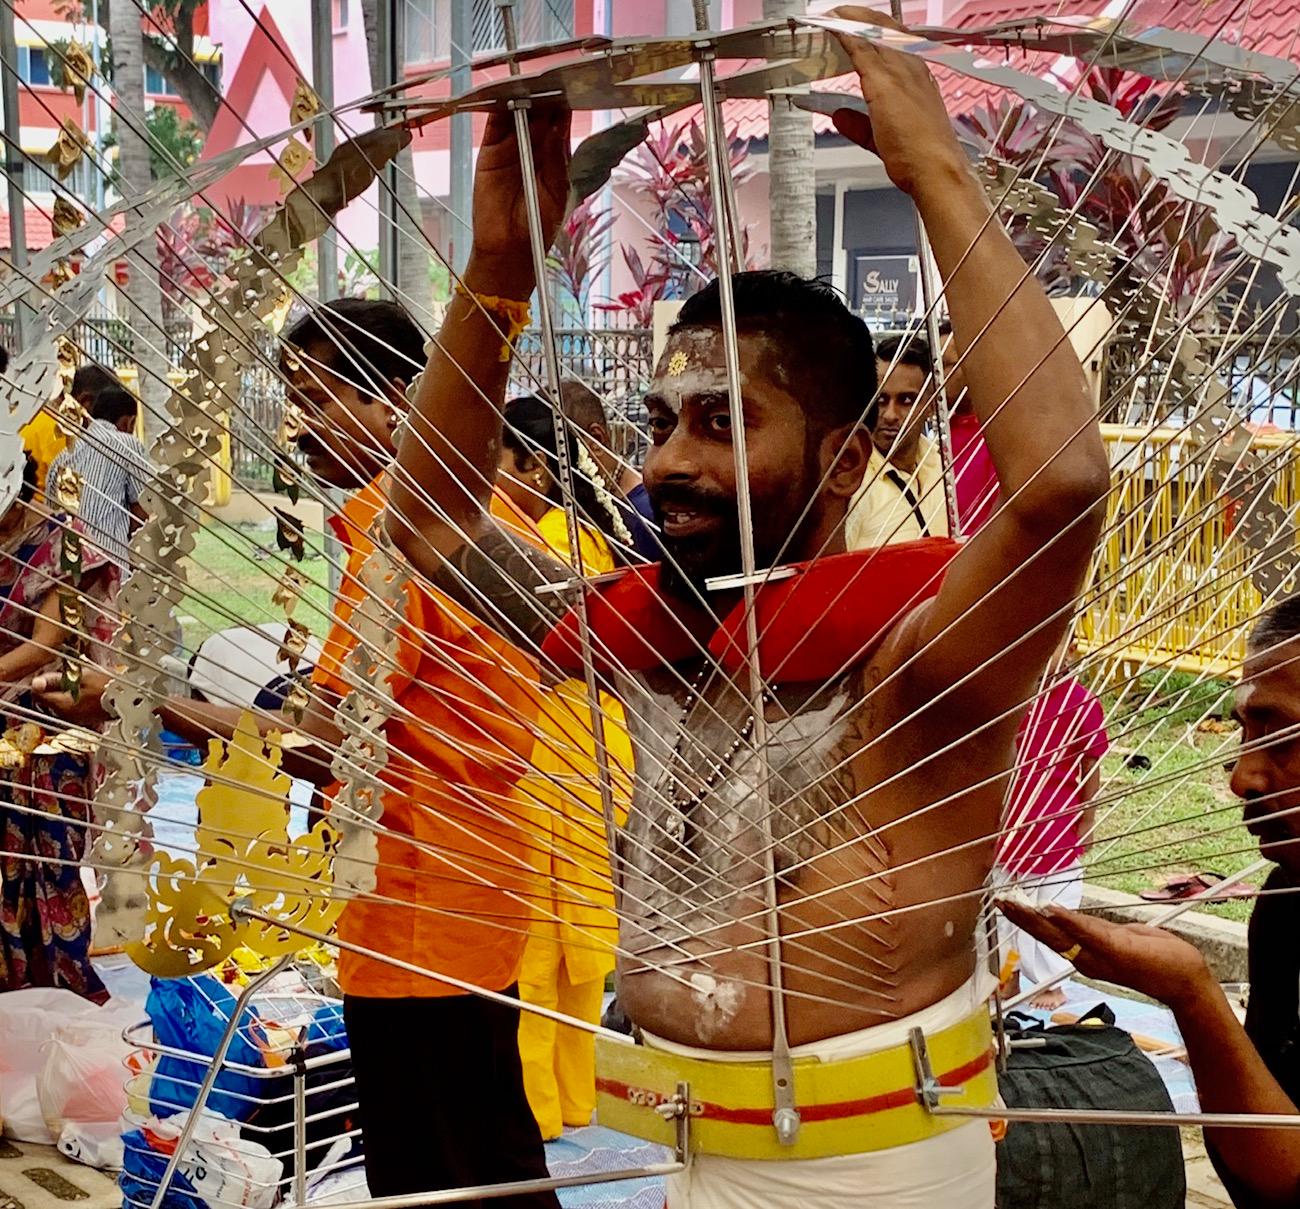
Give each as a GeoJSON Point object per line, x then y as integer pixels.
{"type": "Point", "coordinates": [234, 572]}
{"type": "Point", "coordinates": [1179, 815]}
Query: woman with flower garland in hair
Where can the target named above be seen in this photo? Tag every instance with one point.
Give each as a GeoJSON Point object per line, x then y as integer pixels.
{"type": "Point", "coordinates": [570, 949]}
{"type": "Point", "coordinates": [530, 479]}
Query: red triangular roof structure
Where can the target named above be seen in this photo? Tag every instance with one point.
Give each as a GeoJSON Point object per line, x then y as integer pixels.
{"type": "Point", "coordinates": [267, 54]}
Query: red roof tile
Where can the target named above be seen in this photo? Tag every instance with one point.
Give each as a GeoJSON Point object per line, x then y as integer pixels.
{"type": "Point", "coordinates": [40, 233]}
{"type": "Point", "coordinates": [1270, 27]}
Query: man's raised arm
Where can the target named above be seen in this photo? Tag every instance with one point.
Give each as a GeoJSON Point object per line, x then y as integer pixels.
{"type": "Point", "coordinates": [447, 460]}
{"type": "Point", "coordinates": [1008, 595]}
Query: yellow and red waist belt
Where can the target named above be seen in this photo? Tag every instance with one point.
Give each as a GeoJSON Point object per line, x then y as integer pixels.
{"type": "Point", "coordinates": [848, 1106]}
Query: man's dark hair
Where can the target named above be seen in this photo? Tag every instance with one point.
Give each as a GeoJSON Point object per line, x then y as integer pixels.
{"type": "Point", "coordinates": [365, 341]}
{"type": "Point", "coordinates": [114, 403]}
{"type": "Point", "coordinates": [581, 405]}
{"type": "Point", "coordinates": [1279, 624]}
{"type": "Point", "coordinates": [4, 359]}
{"type": "Point", "coordinates": [907, 349]}
{"type": "Point", "coordinates": [825, 360]}
{"type": "Point", "coordinates": [90, 380]}
{"type": "Point", "coordinates": [945, 327]}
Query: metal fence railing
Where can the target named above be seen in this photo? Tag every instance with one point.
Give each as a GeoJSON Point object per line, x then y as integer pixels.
{"type": "Point", "coordinates": [615, 362]}
{"type": "Point", "coordinates": [1262, 374]}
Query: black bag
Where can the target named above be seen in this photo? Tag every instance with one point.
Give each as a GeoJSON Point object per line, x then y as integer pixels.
{"type": "Point", "coordinates": [1071, 1166]}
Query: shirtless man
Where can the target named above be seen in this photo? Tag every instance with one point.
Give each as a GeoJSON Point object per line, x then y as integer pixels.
{"type": "Point", "coordinates": [891, 718]}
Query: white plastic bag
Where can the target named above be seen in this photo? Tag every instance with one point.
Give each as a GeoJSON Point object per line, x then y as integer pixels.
{"type": "Point", "coordinates": [340, 1176]}
{"type": "Point", "coordinates": [97, 1145]}
{"type": "Point", "coordinates": [83, 1080]}
{"type": "Point", "coordinates": [222, 1167]}
{"type": "Point", "coordinates": [28, 1019]}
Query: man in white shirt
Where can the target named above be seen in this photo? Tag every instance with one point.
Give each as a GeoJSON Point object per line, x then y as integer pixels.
{"type": "Point", "coordinates": [901, 498]}
{"type": "Point", "coordinates": [114, 469]}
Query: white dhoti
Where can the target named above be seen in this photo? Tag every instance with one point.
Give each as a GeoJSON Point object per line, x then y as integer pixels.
{"type": "Point", "coordinates": [956, 1168]}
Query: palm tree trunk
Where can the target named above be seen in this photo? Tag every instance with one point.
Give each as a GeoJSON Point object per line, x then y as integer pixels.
{"type": "Point", "coordinates": [143, 309]}
{"type": "Point", "coordinates": [791, 182]}
{"type": "Point", "coordinates": [414, 283]}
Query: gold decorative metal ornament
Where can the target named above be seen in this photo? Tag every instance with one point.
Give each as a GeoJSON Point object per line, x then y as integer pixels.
{"type": "Point", "coordinates": [78, 68]}
{"type": "Point", "coordinates": [183, 457]}
{"type": "Point", "coordinates": [245, 856]}
{"type": "Point", "coordinates": [305, 104]}
{"type": "Point", "coordinates": [68, 149]}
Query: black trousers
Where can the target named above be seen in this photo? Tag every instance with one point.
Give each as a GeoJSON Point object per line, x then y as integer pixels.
{"type": "Point", "coordinates": [441, 1094]}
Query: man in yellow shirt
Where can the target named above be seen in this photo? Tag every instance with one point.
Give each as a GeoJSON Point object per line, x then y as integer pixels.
{"type": "Point", "coordinates": [901, 498]}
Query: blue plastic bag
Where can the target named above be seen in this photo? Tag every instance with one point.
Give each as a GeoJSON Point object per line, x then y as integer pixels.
{"type": "Point", "coordinates": [190, 1014]}
{"type": "Point", "coordinates": [143, 1168]}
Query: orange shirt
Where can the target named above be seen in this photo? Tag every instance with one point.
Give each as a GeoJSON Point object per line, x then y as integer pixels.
{"type": "Point", "coordinates": [462, 848]}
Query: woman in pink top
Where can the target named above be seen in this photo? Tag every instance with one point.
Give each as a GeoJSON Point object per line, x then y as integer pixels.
{"type": "Point", "coordinates": [1049, 818]}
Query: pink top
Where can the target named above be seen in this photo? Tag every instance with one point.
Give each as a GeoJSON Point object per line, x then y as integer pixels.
{"type": "Point", "coordinates": [977, 481]}
{"type": "Point", "coordinates": [1062, 736]}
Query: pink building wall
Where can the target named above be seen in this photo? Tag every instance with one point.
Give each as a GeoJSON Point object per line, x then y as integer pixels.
{"type": "Point", "coordinates": [263, 109]}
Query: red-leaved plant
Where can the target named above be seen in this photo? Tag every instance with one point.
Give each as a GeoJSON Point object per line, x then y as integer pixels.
{"type": "Point", "coordinates": [670, 171]}
{"type": "Point", "coordinates": [581, 252]}
{"type": "Point", "coordinates": [1154, 231]}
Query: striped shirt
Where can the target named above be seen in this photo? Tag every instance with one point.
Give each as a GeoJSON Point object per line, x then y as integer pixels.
{"type": "Point", "coordinates": [114, 469]}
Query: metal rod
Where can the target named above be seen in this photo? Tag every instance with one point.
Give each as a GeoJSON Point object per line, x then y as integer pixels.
{"type": "Point", "coordinates": [240, 911]}
{"type": "Point", "coordinates": [299, 1123]}
{"type": "Point", "coordinates": [785, 1116]}
{"type": "Point", "coordinates": [573, 523]}
{"type": "Point", "coordinates": [390, 68]}
{"type": "Point", "coordinates": [322, 71]}
{"type": "Point", "coordinates": [327, 246]}
{"type": "Point", "coordinates": [1105, 1116]}
{"type": "Point", "coordinates": [15, 162]}
{"type": "Point", "coordinates": [462, 134]}
{"type": "Point", "coordinates": [210, 1078]}
{"type": "Point", "coordinates": [1158, 922]}
{"type": "Point", "coordinates": [931, 289]}
{"type": "Point", "coordinates": [484, 1192]}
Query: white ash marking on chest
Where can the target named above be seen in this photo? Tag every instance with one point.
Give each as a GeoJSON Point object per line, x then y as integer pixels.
{"type": "Point", "coordinates": [695, 857]}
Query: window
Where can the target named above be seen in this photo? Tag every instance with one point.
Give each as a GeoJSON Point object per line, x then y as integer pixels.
{"type": "Point", "coordinates": [340, 15]}
{"type": "Point", "coordinates": [33, 65]}
{"type": "Point", "coordinates": [420, 33]}
{"type": "Point", "coordinates": [157, 84]}
{"type": "Point", "coordinates": [212, 73]}
{"type": "Point", "coordinates": [535, 20]}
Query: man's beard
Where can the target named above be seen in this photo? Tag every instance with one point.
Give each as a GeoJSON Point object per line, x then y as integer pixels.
{"type": "Point", "coordinates": [692, 560]}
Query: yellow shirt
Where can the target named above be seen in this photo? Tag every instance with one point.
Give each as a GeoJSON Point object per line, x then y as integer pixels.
{"type": "Point", "coordinates": [565, 785]}
{"type": "Point", "coordinates": [891, 505]}
{"type": "Point", "coordinates": [44, 440]}
{"type": "Point", "coordinates": [597, 558]}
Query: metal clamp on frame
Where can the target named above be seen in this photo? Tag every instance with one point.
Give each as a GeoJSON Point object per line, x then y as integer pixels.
{"type": "Point", "coordinates": [678, 1109]}
{"type": "Point", "coordinates": [929, 1091]}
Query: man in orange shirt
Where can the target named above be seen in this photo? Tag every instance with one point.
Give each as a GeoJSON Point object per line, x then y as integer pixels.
{"type": "Point", "coordinates": [457, 847]}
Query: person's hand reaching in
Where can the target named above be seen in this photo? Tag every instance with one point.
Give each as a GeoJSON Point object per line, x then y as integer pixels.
{"type": "Point", "coordinates": [1148, 960]}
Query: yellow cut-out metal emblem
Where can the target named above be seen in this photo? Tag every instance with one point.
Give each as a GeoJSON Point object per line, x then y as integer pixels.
{"type": "Point", "coordinates": [244, 856]}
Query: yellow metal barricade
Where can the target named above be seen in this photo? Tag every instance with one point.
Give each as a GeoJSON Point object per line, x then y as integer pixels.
{"type": "Point", "coordinates": [1171, 587]}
